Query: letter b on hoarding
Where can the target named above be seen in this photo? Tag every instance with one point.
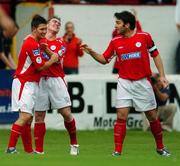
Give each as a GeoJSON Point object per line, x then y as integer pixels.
{"type": "Point", "coordinates": [76, 91]}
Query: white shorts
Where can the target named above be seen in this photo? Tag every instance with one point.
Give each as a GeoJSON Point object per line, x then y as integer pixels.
{"type": "Point", "coordinates": [52, 94]}
{"type": "Point", "coordinates": [24, 96]}
{"type": "Point", "coordinates": [138, 94]}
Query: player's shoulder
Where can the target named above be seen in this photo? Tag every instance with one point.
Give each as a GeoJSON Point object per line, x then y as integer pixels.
{"type": "Point", "coordinates": [116, 38]}
{"type": "Point", "coordinates": [29, 40]}
{"type": "Point", "coordinates": [60, 40]}
{"type": "Point", "coordinates": [142, 33]}
{"type": "Point", "coordinates": [76, 38]}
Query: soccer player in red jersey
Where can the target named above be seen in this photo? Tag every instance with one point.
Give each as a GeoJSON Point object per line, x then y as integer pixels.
{"type": "Point", "coordinates": [115, 33]}
{"type": "Point", "coordinates": [53, 90]}
{"type": "Point", "coordinates": [133, 88]}
{"type": "Point", "coordinates": [25, 83]}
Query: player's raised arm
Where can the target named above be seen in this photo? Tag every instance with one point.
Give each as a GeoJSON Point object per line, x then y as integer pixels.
{"type": "Point", "coordinates": [98, 57]}
{"type": "Point", "coordinates": [53, 59]}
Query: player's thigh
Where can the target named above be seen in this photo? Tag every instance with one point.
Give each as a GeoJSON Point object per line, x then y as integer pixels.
{"type": "Point", "coordinates": [16, 86]}
{"type": "Point", "coordinates": [143, 96]}
{"type": "Point", "coordinates": [28, 97]}
{"type": "Point", "coordinates": [58, 94]}
{"type": "Point", "coordinates": [42, 102]}
{"type": "Point", "coordinates": [124, 96]}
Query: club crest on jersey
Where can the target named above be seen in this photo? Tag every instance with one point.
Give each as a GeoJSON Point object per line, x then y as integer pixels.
{"type": "Point", "coordinates": [36, 52]}
{"type": "Point", "coordinates": [39, 60]}
{"type": "Point", "coordinates": [132, 55]}
{"type": "Point", "coordinates": [138, 44]}
{"type": "Point", "coordinates": [62, 51]}
{"type": "Point", "coordinates": [53, 47]}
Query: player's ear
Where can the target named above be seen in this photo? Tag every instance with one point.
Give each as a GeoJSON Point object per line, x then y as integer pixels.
{"type": "Point", "coordinates": [33, 29]}
{"type": "Point", "coordinates": [127, 25]}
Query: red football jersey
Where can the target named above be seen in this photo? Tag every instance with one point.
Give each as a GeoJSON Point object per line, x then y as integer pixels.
{"type": "Point", "coordinates": [115, 34]}
{"type": "Point", "coordinates": [30, 59]}
{"type": "Point", "coordinates": [55, 70]}
{"type": "Point", "coordinates": [133, 55]}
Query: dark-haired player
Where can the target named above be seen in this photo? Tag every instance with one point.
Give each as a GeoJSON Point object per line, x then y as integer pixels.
{"type": "Point", "coordinates": [134, 89]}
{"type": "Point", "coordinates": [27, 76]}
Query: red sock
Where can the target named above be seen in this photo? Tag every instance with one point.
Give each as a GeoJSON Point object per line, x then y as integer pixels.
{"type": "Point", "coordinates": [71, 128]}
{"type": "Point", "coordinates": [157, 132]}
{"type": "Point", "coordinates": [39, 132]}
{"type": "Point", "coordinates": [119, 134]}
{"type": "Point", "coordinates": [27, 138]}
{"type": "Point", "coordinates": [15, 133]}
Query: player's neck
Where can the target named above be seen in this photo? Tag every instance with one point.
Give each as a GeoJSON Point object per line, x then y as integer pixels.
{"type": "Point", "coordinates": [129, 34]}
{"type": "Point", "coordinates": [50, 35]}
{"type": "Point", "coordinates": [35, 37]}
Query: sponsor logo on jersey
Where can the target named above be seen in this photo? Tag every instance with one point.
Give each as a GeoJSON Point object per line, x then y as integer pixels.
{"type": "Point", "coordinates": [45, 56]}
{"type": "Point", "coordinates": [39, 60]}
{"type": "Point", "coordinates": [62, 51]}
{"type": "Point", "coordinates": [53, 47]}
{"type": "Point", "coordinates": [36, 52]}
{"type": "Point", "coordinates": [132, 55]}
{"type": "Point", "coordinates": [138, 44]}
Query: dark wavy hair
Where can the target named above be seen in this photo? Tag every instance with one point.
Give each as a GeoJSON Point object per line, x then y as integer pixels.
{"type": "Point", "coordinates": [126, 17]}
{"type": "Point", "coordinates": [37, 20]}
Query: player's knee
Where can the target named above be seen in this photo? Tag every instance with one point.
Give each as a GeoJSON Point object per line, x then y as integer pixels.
{"type": "Point", "coordinates": [39, 117]}
{"type": "Point", "coordinates": [66, 113]}
{"type": "Point", "coordinates": [151, 115]}
{"type": "Point", "coordinates": [122, 116]}
{"type": "Point", "coordinates": [23, 119]}
{"type": "Point", "coordinates": [30, 120]}
{"type": "Point", "coordinates": [67, 116]}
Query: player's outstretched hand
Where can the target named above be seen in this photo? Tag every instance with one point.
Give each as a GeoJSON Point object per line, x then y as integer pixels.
{"type": "Point", "coordinates": [164, 81]}
{"type": "Point", "coordinates": [86, 48]}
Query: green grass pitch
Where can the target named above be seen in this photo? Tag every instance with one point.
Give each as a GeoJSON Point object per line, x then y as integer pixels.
{"type": "Point", "coordinates": [95, 150]}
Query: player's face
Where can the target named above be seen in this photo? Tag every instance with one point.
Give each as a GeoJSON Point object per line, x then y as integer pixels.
{"type": "Point", "coordinates": [41, 30]}
{"type": "Point", "coordinates": [69, 28]}
{"type": "Point", "coordinates": [120, 27]}
{"type": "Point", "coordinates": [54, 25]}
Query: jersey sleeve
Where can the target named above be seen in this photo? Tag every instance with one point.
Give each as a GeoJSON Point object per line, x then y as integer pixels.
{"type": "Point", "coordinates": [151, 46]}
{"type": "Point", "coordinates": [35, 55]}
{"type": "Point", "coordinates": [109, 52]}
